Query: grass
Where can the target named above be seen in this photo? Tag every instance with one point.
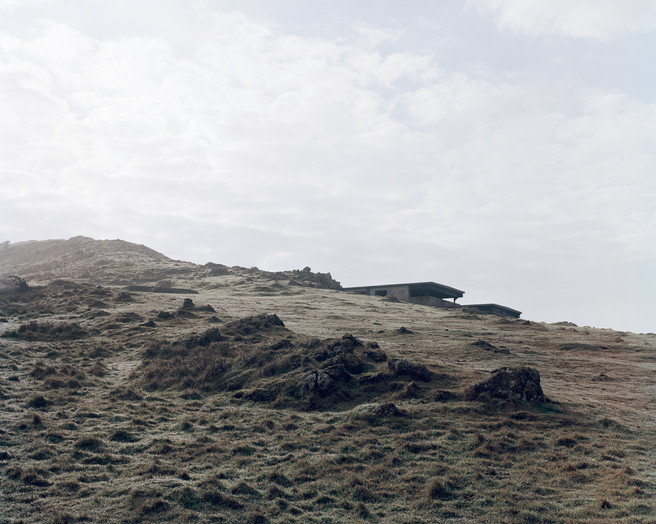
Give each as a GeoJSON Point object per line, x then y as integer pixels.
{"type": "Point", "coordinates": [321, 412]}
{"type": "Point", "coordinates": [47, 331]}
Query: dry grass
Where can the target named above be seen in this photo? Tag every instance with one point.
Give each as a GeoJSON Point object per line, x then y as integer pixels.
{"type": "Point", "coordinates": [217, 414]}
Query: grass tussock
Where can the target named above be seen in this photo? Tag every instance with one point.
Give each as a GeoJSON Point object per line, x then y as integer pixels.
{"type": "Point", "coordinates": [47, 331]}
{"type": "Point", "coordinates": [261, 361]}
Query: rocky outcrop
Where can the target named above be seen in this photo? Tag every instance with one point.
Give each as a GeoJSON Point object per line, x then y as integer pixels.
{"type": "Point", "coordinates": [519, 383]}
{"type": "Point", "coordinates": [12, 283]}
{"type": "Point", "coordinates": [403, 367]}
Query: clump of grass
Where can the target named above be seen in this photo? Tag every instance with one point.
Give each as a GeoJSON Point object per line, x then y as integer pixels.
{"type": "Point", "coordinates": [361, 510]}
{"type": "Point", "coordinates": [42, 453]}
{"type": "Point", "coordinates": [567, 442]}
{"type": "Point", "coordinates": [98, 369]}
{"type": "Point", "coordinates": [216, 498]}
{"type": "Point", "coordinates": [256, 517]}
{"type": "Point", "coordinates": [38, 402]}
{"type": "Point", "coordinates": [243, 488]}
{"type": "Point", "coordinates": [437, 490]}
{"type": "Point", "coordinates": [187, 368]}
{"type": "Point", "coordinates": [89, 443]}
{"type": "Point", "coordinates": [280, 479]}
{"type": "Point", "coordinates": [121, 435]}
{"type": "Point", "coordinates": [47, 331]}
{"type": "Point", "coordinates": [152, 505]}
{"type": "Point", "coordinates": [34, 478]}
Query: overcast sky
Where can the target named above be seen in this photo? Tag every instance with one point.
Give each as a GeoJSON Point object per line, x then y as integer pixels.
{"type": "Point", "coordinates": [503, 147]}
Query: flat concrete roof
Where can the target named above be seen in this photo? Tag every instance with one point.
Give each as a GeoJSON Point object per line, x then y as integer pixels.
{"type": "Point", "coordinates": [447, 291]}
{"type": "Point", "coordinates": [491, 305]}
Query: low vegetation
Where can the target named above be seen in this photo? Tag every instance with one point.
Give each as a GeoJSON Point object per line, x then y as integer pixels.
{"type": "Point", "coordinates": [267, 401]}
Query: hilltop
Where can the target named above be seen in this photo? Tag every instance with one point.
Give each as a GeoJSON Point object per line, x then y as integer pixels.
{"type": "Point", "coordinates": [139, 388]}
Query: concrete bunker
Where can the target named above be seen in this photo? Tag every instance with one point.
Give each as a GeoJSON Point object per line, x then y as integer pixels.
{"type": "Point", "coordinates": [424, 293]}
{"type": "Point", "coordinates": [432, 294]}
{"type": "Point", "coordinates": [492, 309]}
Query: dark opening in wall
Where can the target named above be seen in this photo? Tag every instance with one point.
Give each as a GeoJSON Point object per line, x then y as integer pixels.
{"type": "Point", "coordinates": [381, 292]}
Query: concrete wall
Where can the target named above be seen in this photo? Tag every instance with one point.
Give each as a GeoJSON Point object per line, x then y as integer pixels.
{"type": "Point", "coordinates": [400, 292]}
{"type": "Point", "coordinates": [432, 301]}
{"type": "Point", "coordinates": [403, 294]}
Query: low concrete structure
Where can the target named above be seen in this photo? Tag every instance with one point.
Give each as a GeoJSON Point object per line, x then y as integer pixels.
{"type": "Point", "coordinates": [432, 294]}
{"type": "Point", "coordinates": [492, 309]}
{"type": "Point", "coordinates": [424, 293]}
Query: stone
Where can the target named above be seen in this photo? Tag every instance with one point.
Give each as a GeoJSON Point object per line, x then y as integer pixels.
{"type": "Point", "coordinates": [518, 383]}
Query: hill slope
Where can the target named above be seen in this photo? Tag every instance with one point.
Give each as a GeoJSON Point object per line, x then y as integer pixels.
{"type": "Point", "coordinates": [268, 397]}
{"type": "Point", "coordinates": [82, 258]}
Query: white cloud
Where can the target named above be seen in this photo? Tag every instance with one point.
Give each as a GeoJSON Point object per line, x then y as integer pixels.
{"type": "Point", "coordinates": [374, 36]}
{"type": "Point", "coordinates": [374, 163]}
{"type": "Point", "coordinates": [598, 19]}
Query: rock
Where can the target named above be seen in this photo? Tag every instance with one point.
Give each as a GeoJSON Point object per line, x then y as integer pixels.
{"type": "Point", "coordinates": [188, 303]}
{"type": "Point", "coordinates": [13, 283]}
{"type": "Point", "coordinates": [520, 383]}
{"type": "Point", "coordinates": [351, 363]}
{"type": "Point", "coordinates": [404, 331]}
{"type": "Point", "coordinates": [411, 390]}
{"type": "Point", "coordinates": [401, 366]}
{"type": "Point", "coordinates": [217, 270]}
{"type": "Point", "coordinates": [348, 343]}
{"type": "Point", "coordinates": [208, 308]}
{"type": "Point", "coordinates": [260, 394]}
{"type": "Point", "coordinates": [377, 355]}
{"type": "Point", "coordinates": [373, 378]}
{"type": "Point", "coordinates": [323, 382]}
{"type": "Point", "coordinates": [204, 339]}
{"type": "Point", "coordinates": [337, 372]}
{"type": "Point", "coordinates": [387, 410]}
{"type": "Point", "coordinates": [253, 324]}
{"type": "Point", "coordinates": [490, 347]}
{"type": "Point", "coordinates": [342, 346]}
{"type": "Point", "coordinates": [443, 395]}
{"type": "Point", "coordinates": [124, 297]}
{"type": "Point", "coordinates": [316, 382]}
{"type": "Point", "coordinates": [281, 344]}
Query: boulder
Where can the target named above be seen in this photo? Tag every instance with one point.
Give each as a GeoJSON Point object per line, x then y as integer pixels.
{"type": "Point", "coordinates": [387, 410]}
{"type": "Point", "coordinates": [518, 383]}
{"type": "Point", "coordinates": [316, 383]}
{"type": "Point", "coordinates": [401, 367]}
{"type": "Point", "coordinates": [13, 283]}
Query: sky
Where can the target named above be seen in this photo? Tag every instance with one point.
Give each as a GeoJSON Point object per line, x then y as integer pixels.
{"type": "Point", "coordinates": [502, 147]}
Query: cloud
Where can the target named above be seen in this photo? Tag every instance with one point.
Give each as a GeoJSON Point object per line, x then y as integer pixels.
{"type": "Point", "coordinates": [255, 146]}
{"type": "Point", "coordinates": [597, 19]}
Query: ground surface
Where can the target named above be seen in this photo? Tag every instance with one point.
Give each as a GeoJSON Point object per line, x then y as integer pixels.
{"type": "Point", "coordinates": [127, 406]}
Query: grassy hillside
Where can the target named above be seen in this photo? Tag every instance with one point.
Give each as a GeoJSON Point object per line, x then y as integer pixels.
{"type": "Point", "coordinates": [265, 397]}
